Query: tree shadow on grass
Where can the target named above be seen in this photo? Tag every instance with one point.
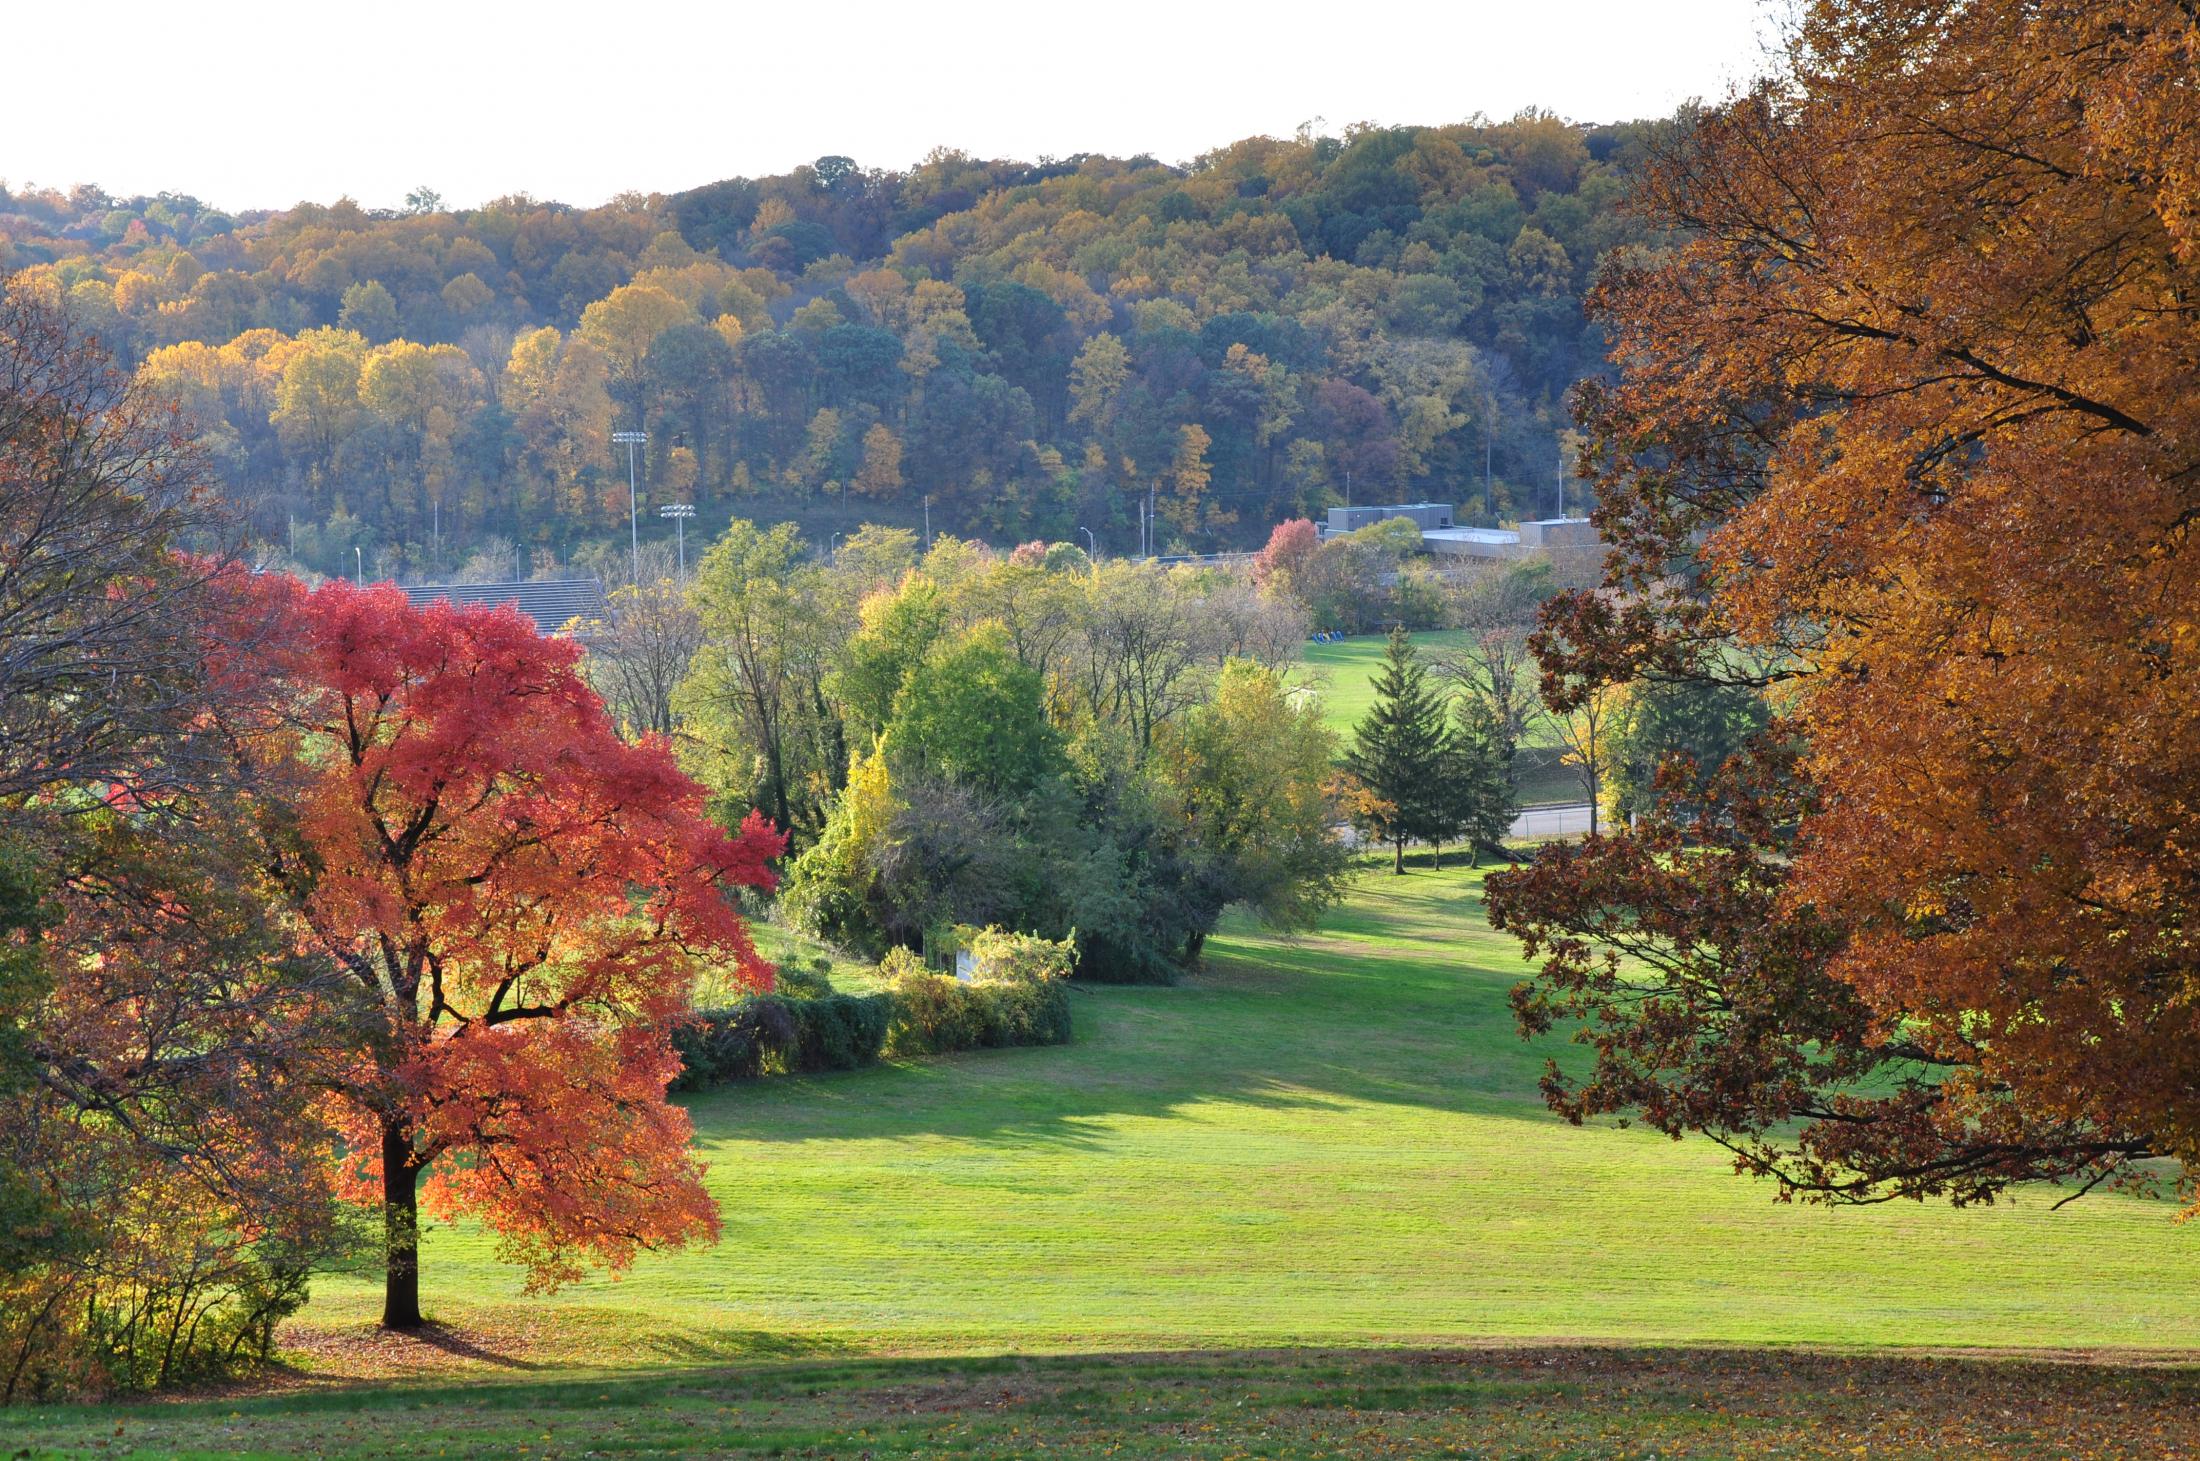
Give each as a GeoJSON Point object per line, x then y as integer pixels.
{"type": "Point", "coordinates": [485, 1340]}
{"type": "Point", "coordinates": [1703, 1399]}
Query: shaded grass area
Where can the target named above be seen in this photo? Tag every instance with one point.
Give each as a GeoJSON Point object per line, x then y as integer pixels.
{"type": "Point", "coordinates": [1343, 673]}
{"type": "Point", "coordinates": [1531, 1401]}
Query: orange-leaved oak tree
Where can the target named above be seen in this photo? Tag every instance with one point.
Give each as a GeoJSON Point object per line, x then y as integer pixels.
{"type": "Point", "coordinates": [520, 901]}
{"type": "Point", "coordinates": [1906, 414]}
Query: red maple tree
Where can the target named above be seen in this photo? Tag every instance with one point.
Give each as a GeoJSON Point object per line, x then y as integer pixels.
{"type": "Point", "coordinates": [520, 901]}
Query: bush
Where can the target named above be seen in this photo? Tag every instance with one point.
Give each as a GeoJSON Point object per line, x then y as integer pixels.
{"type": "Point", "coordinates": [732, 1044]}
{"type": "Point", "coordinates": [770, 1034]}
{"type": "Point", "coordinates": [838, 1032]}
{"type": "Point", "coordinates": [796, 982]}
{"type": "Point", "coordinates": [1018, 997]}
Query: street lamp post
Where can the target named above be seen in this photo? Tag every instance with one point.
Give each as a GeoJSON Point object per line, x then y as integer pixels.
{"type": "Point", "coordinates": [1094, 543]}
{"type": "Point", "coordinates": [631, 440]}
{"type": "Point", "coordinates": [679, 512]}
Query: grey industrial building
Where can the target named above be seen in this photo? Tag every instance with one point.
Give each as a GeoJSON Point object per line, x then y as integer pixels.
{"type": "Point", "coordinates": [1440, 534]}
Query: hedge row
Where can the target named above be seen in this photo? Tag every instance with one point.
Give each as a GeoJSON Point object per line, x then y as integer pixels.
{"type": "Point", "coordinates": [770, 1034]}
{"type": "Point", "coordinates": [1022, 999]}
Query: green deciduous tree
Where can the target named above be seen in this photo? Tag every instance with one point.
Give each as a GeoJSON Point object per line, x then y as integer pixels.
{"type": "Point", "coordinates": [754, 697]}
{"type": "Point", "coordinates": [1250, 771]}
{"type": "Point", "coordinates": [975, 714]}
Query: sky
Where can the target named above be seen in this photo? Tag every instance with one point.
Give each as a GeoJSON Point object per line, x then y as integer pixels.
{"type": "Point", "coordinates": [255, 104]}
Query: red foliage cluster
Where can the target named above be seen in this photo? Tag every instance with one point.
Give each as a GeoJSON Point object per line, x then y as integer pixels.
{"type": "Point", "coordinates": [521, 901]}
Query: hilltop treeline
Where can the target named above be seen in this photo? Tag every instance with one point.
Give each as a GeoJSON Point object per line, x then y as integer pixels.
{"type": "Point", "coordinates": [1394, 312]}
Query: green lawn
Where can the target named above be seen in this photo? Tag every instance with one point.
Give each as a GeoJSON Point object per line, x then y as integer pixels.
{"type": "Point", "coordinates": [1333, 1143]}
{"type": "Point", "coordinates": [1344, 671]}
{"type": "Point", "coordinates": [1343, 674]}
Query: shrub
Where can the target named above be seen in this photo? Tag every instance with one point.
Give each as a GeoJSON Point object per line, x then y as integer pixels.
{"type": "Point", "coordinates": [732, 1044]}
{"type": "Point", "coordinates": [1004, 957]}
{"type": "Point", "coordinates": [769, 1034]}
{"type": "Point", "coordinates": [796, 982]}
{"type": "Point", "coordinates": [1017, 997]}
{"type": "Point", "coordinates": [838, 1032]}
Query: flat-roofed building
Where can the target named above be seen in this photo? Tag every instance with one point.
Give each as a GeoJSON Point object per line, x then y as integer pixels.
{"type": "Point", "coordinates": [1538, 535]}
{"type": "Point", "coordinates": [1424, 515]}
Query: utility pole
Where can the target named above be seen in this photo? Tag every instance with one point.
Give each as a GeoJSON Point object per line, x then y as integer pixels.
{"type": "Point", "coordinates": [834, 550]}
{"type": "Point", "coordinates": [1562, 484]}
{"type": "Point", "coordinates": [633, 440]}
{"type": "Point", "coordinates": [1153, 520]}
{"type": "Point", "coordinates": [679, 512]}
{"type": "Point", "coordinates": [359, 566]}
{"type": "Point", "coordinates": [927, 522]}
{"type": "Point", "coordinates": [1141, 527]}
{"type": "Point", "coordinates": [1348, 495]}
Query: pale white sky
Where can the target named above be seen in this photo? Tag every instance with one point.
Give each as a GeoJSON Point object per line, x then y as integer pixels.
{"type": "Point", "coordinates": [261, 103]}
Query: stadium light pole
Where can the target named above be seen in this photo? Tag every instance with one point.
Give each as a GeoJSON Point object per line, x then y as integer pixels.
{"type": "Point", "coordinates": [679, 512]}
{"type": "Point", "coordinates": [631, 440]}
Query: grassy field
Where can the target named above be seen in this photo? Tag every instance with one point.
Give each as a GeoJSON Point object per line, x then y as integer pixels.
{"type": "Point", "coordinates": [1343, 672]}
{"type": "Point", "coordinates": [1334, 1143]}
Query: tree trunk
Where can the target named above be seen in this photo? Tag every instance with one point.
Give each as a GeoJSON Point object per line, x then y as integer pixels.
{"type": "Point", "coordinates": [400, 1229]}
{"type": "Point", "coordinates": [1399, 865]}
{"type": "Point", "coordinates": [1436, 855]}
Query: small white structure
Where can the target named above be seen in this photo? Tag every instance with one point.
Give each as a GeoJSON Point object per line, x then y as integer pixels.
{"type": "Point", "coordinates": [966, 966]}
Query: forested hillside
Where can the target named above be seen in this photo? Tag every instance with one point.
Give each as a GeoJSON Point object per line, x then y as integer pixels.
{"type": "Point", "coordinates": [1034, 347]}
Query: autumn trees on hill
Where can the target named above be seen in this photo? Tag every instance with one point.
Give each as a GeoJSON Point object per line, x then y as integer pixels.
{"type": "Point", "coordinates": [1034, 347]}
{"type": "Point", "coordinates": [1919, 377]}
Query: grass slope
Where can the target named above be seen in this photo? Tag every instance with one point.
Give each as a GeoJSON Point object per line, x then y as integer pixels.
{"type": "Point", "coordinates": [1334, 1143]}
{"type": "Point", "coordinates": [1331, 1141]}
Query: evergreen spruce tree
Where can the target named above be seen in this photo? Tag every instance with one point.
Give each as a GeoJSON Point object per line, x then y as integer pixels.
{"type": "Point", "coordinates": [1398, 754]}
{"type": "Point", "coordinates": [1476, 783]}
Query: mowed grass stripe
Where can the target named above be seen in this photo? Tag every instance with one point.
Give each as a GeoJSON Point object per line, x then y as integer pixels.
{"type": "Point", "coordinates": [1336, 1140]}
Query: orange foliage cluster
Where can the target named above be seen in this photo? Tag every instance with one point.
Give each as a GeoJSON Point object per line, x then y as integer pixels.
{"type": "Point", "coordinates": [1915, 394]}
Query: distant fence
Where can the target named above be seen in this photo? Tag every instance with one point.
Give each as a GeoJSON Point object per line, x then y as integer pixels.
{"type": "Point", "coordinates": [1565, 821]}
